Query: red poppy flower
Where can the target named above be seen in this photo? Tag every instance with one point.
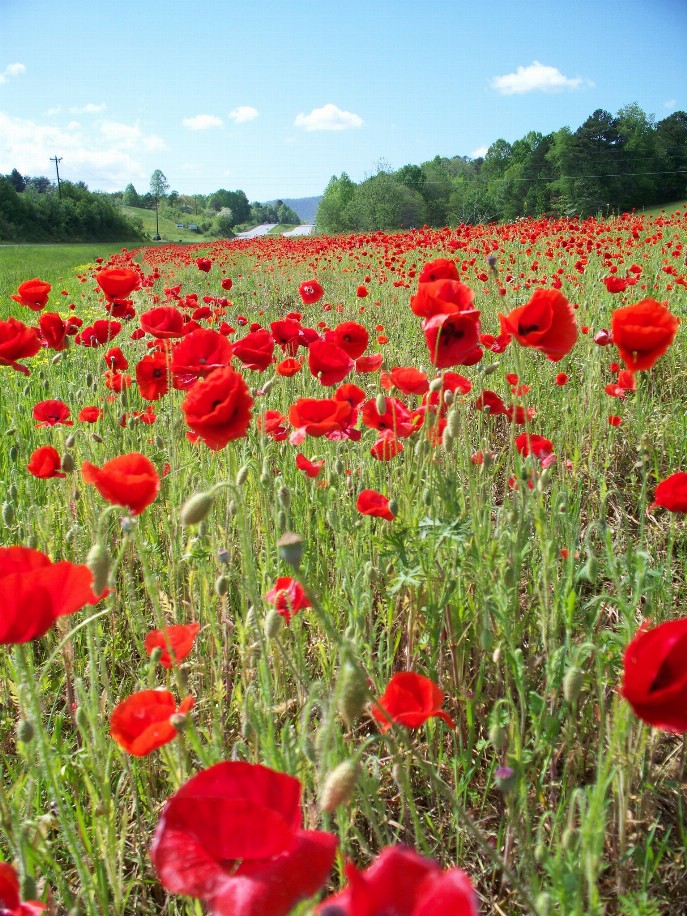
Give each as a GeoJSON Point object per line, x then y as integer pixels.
{"type": "Point", "coordinates": [232, 836]}
{"type": "Point", "coordinates": [386, 447]}
{"type": "Point", "coordinates": [117, 381]}
{"type": "Point", "coordinates": [141, 723]}
{"type": "Point", "coordinates": [655, 675]}
{"type": "Point", "coordinates": [531, 444]}
{"type": "Point", "coordinates": [396, 419]}
{"type": "Point", "coordinates": [615, 284]}
{"type": "Point", "coordinates": [403, 883]}
{"type": "Point", "coordinates": [671, 493]}
{"type": "Point", "coordinates": [274, 424]}
{"type": "Point", "coordinates": [115, 359]}
{"type": "Point", "coordinates": [118, 282]}
{"type": "Point", "coordinates": [17, 341]}
{"type": "Point", "coordinates": [288, 367]}
{"type": "Point", "coordinates": [34, 592]}
{"type": "Point", "coordinates": [350, 393]}
{"type": "Point", "coordinates": [310, 291]}
{"type": "Point", "coordinates": [129, 480]}
{"type": "Point", "coordinates": [561, 379]}
{"type": "Point", "coordinates": [90, 414]}
{"type": "Point", "coordinates": [152, 376]}
{"type": "Point", "coordinates": [643, 332]}
{"type": "Point", "coordinates": [204, 264]}
{"type": "Point", "coordinates": [319, 417]}
{"type": "Point", "coordinates": [453, 339]}
{"type": "Point", "coordinates": [10, 900]}
{"type": "Point", "coordinates": [440, 269]}
{"type": "Point", "coordinates": [53, 331]}
{"type": "Point", "coordinates": [51, 413]}
{"type": "Point", "coordinates": [441, 297]}
{"type": "Point", "coordinates": [369, 363]}
{"type": "Point", "coordinates": [491, 401]}
{"type": "Point", "coordinates": [455, 382]}
{"type": "Point", "coordinates": [179, 637]}
{"type": "Point", "coordinates": [328, 362]}
{"type": "Point", "coordinates": [197, 355]}
{"type": "Point", "coordinates": [546, 322]}
{"type": "Point", "coordinates": [310, 468]}
{"type": "Point", "coordinates": [288, 597]}
{"type": "Point", "coordinates": [255, 350]}
{"type": "Point", "coordinates": [218, 409]}
{"type": "Point", "coordinates": [33, 294]}
{"type": "Point", "coordinates": [410, 699]}
{"type": "Point", "coordinates": [351, 337]}
{"type": "Point", "coordinates": [163, 322]}
{"type": "Point", "coordinates": [361, 292]}
{"type": "Point", "coordinates": [45, 463]}
{"type": "Point", "coordinates": [409, 380]}
{"type": "Point", "coordinates": [370, 502]}
{"type": "Point", "coordinates": [98, 333]}
{"type": "Point", "coordinates": [227, 283]}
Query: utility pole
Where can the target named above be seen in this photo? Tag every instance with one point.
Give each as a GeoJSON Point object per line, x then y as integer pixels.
{"type": "Point", "coordinates": [59, 186]}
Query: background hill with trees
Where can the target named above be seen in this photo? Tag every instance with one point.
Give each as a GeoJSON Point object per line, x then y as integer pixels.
{"type": "Point", "coordinates": [609, 164]}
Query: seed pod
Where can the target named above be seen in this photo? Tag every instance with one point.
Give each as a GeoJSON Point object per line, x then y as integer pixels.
{"type": "Point", "coordinates": [338, 786]}
{"type": "Point", "coordinates": [352, 692]}
{"type": "Point", "coordinates": [572, 684]}
{"type": "Point", "coordinates": [196, 508]}
{"type": "Point", "coordinates": [98, 561]}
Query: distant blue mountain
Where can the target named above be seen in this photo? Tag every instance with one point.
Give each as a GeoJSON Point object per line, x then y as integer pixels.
{"type": "Point", "coordinates": [305, 207]}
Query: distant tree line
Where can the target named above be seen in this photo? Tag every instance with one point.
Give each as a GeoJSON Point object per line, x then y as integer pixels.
{"type": "Point", "coordinates": [609, 164]}
{"type": "Point", "coordinates": [32, 210]}
{"type": "Point", "coordinates": [221, 211]}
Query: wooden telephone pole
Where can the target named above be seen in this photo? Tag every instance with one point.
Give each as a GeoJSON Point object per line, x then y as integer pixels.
{"type": "Point", "coordinates": [57, 161]}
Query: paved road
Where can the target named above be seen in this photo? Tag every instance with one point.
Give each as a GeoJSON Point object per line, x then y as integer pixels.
{"type": "Point", "coordinates": [300, 230]}
{"type": "Point", "coordinates": [256, 231]}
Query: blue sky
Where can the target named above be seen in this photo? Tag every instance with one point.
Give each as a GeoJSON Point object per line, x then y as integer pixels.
{"type": "Point", "coordinates": [276, 96]}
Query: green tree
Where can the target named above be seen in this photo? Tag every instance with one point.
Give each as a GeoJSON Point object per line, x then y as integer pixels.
{"type": "Point", "coordinates": [331, 209]}
{"type": "Point", "coordinates": [381, 202]}
{"type": "Point", "coordinates": [671, 142]}
{"type": "Point", "coordinates": [131, 198]}
{"type": "Point", "coordinates": [158, 188]}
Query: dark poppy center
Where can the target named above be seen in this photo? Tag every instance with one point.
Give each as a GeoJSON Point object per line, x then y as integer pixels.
{"type": "Point", "coordinates": [525, 329]}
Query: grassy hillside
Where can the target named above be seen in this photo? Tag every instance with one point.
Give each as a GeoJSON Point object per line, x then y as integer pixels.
{"type": "Point", "coordinates": [168, 229]}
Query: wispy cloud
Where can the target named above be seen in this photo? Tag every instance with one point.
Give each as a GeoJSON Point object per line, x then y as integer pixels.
{"type": "Point", "coordinates": [89, 108]}
{"type": "Point", "coordinates": [480, 152]}
{"type": "Point", "coordinates": [536, 78]}
{"type": "Point", "coordinates": [10, 71]}
{"type": "Point", "coordinates": [202, 122]}
{"type": "Point", "coordinates": [669, 104]}
{"type": "Point", "coordinates": [243, 113]}
{"type": "Point", "coordinates": [329, 117]}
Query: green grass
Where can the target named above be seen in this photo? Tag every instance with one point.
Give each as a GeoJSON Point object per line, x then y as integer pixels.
{"type": "Point", "coordinates": [467, 586]}
{"type": "Point", "coordinates": [168, 228]}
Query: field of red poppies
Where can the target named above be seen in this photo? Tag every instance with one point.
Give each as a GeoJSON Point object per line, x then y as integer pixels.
{"type": "Point", "coordinates": [346, 576]}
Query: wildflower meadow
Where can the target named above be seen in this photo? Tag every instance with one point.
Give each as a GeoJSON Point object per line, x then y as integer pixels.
{"type": "Point", "coordinates": [346, 575]}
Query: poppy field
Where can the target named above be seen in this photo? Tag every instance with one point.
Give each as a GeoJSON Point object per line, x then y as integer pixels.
{"type": "Point", "coordinates": [346, 576]}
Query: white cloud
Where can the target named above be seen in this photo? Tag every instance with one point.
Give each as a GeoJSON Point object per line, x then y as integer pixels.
{"type": "Point", "coordinates": [329, 117]}
{"type": "Point", "coordinates": [89, 108]}
{"type": "Point", "coordinates": [104, 156]}
{"type": "Point", "coordinates": [536, 77]}
{"type": "Point", "coordinates": [480, 152]}
{"type": "Point", "coordinates": [243, 113]}
{"type": "Point", "coordinates": [54, 111]}
{"type": "Point", "coordinates": [669, 104]}
{"type": "Point", "coordinates": [10, 71]}
{"type": "Point", "coordinates": [202, 122]}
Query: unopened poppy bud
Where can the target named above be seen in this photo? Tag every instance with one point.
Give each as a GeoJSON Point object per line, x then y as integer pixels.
{"type": "Point", "coordinates": [427, 496]}
{"type": "Point", "coordinates": [69, 441]}
{"type": "Point", "coordinates": [178, 721]}
{"type": "Point", "coordinates": [352, 692]}
{"type": "Point", "coordinates": [13, 453]}
{"type": "Point", "coordinates": [97, 438]}
{"type": "Point", "coordinates": [542, 904]}
{"type": "Point", "coordinates": [8, 514]}
{"type": "Point", "coordinates": [68, 463]}
{"type": "Point", "coordinates": [490, 369]}
{"type": "Point", "coordinates": [155, 655]}
{"type": "Point", "coordinates": [572, 684]}
{"type": "Point", "coordinates": [232, 508]}
{"type": "Point", "coordinates": [184, 674]}
{"type": "Point", "coordinates": [449, 397]}
{"type": "Point", "coordinates": [72, 534]}
{"type": "Point", "coordinates": [453, 423]}
{"type": "Point", "coordinates": [569, 837]}
{"type": "Point", "coordinates": [281, 520]}
{"type": "Point", "coordinates": [540, 853]}
{"type": "Point", "coordinates": [338, 786]}
{"type": "Point", "coordinates": [221, 586]}
{"type": "Point", "coordinates": [284, 497]}
{"type": "Point", "coordinates": [81, 718]}
{"type": "Point", "coordinates": [242, 475]}
{"type": "Point", "coordinates": [291, 547]}
{"type": "Point", "coordinates": [25, 731]}
{"type": "Point", "coordinates": [273, 624]}
{"type": "Point", "coordinates": [447, 439]}
{"type": "Point", "coordinates": [13, 492]}
{"type": "Point", "coordinates": [89, 379]}
{"type": "Point", "coordinates": [268, 386]}
{"type": "Point", "coordinates": [498, 736]}
{"type": "Point", "coordinates": [56, 359]}
{"type": "Point", "coordinates": [98, 561]}
{"type": "Point", "coordinates": [393, 507]}
{"type": "Point", "coordinates": [380, 403]}
{"type": "Point", "coordinates": [196, 508]}
{"type": "Point", "coordinates": [339, 466]}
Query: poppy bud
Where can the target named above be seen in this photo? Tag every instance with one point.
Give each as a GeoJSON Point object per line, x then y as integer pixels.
{"type": "Point", "coordinates": [380, 403]}
{"type": "Point", "coordinates": [352, 692]}
{"type": "Point", "coordinates": [13, 492]}
{"type": "Point", "coordinates": [284, 497]}
{"type": "Point", "coordinates": [393, 507]}
{"type": "Point", "coordinates": [25, 731]}
{"type": "Point", "coordinates": [339, 466]}
{"type": "Point", "coordinates": [69, 441]}
{"type": "Point", "coordinates": [453, 423]}
{"type": "Point", "coordinates": [14, 453]}
{"type": "Point", "coordinates": [221, 586]}
{"type": "Point", "coordinates": [72, 534]}
{"type": "Point", "coordinates": [8, 514]}
{"type": "Point", "coordinates": [498, 736]}
{"type": "Point", "coordinates": [490, 369]}
{"type": "Point", "coordinates": [273, 624]}
{"type": "Point", "coordinates": [89, 379]}
{"type": "Point", "coordinates": [449, 397]}
{"type": "Point", "coordinates": [97, 438]}
{"type": "Point", "coordinates": [232, 508]}
{"type": "Point", "coordinates": [178, 721]}
{"type": "Point", "coordinates": [98, 561]}
{"type": "Point", "coordinates": [268, 386]}
{"type": "Point", "coordinates": [569, 837]}
{"type": "Point", "coordinates": [338, 786]}
{"type": "Point", "coordinates": [242, 475]}
{"type": "Point", "coordinates": [81, 718]}
{"type": "Point", "coordinates": [56, 359]}
{"type": "Point", "coordinates": [572, 684]}
{"type": "Point", "coordinates": [540, 853]}
{"type": "Point", "coordinates": [67, 463]}
{"type": "Point", "coordinates": [281, 520]}
{"type": "Point", "coordinates": [291, 548]}
{"type": "Point", "coordinates": [155, 656]}
{"type": "Point", "coordinates": [542, 905]}
{"type": "Point", "coordinates": [196, 508]}
{"type": "Point", "coordinates": [447, 439]}
{"type": "Point", "coordinates": [184, 672]}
